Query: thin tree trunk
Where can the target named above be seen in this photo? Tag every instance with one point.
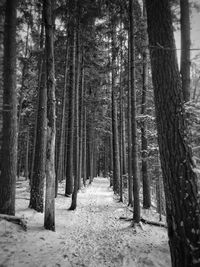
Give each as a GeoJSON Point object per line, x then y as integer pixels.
{"type": "Point", "coordinates": [130, 169]}
{"type": "Point", "coordinates": [27, 155]}
{"type": "Point", "coordinates": [85, 147]}
{"type": "Point", "coordinates": [9, 145]}
{"type": "Point", "coordinates": [180, 181]}
{"type": "Point", "coordinates": [115, 135]}
{"type": "Point", "coordinates": [136, 180]}
{"type": "Point", "coordinates": [81, 126]}
{"type": "Point", "coordinates": [49, 219]}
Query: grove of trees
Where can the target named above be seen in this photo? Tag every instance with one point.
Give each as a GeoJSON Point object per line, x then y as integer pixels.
{"type": "Point", "coordinates": [93, 88]}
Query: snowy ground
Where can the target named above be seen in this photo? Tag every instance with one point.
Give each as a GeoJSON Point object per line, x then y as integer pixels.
{"type": "Point", "coordinates": [91, 236]}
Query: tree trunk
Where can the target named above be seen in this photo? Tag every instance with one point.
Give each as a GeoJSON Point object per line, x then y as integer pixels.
{"type": "Point", "coordinates": [185, 48]}
{"type": "Point", "coordinates": [130, 175]}
{"type": "Point", "coordinates": [49, 220]}
{"type": "Point", "coordinates": [77, 148]}
{"type": "Point", "coordinates": [136, 180]}
{"type": "Point", "coordinates": [181, 192]}
{"type": "Point", "coordinates": [84, 147]}
{"type": "Point", "coordinates": [70, 140]}
{"type": "Point", "coordinates": [1, 67]}
{"type": "Point", "coordinates": [81, 125]}
{"type": "Point", "coordinates": [9, 145]}
{"type": "Point", "coordinates": [115, 134]}
{"type": "Point", "coordinates": [37, 181]}
{"type": "Point", "coordinates": [144, 145]}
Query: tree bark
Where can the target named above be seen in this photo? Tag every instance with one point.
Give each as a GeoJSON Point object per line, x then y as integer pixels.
{"type": "Point", "coordinates": [185, 48]}
{"type": "Point", "coordinates": [136, 180]}
{"type": "Point", "coordinates": [115, 134]}
{"type": "Point", "coordinates": [181, 191]}
{"type": "Point", "coordinates": [9, 144]}
{"type": "Point", "coordinates": [70, 140]}
{"type": "Point", "coordinates": [37, 181]}
{"type": "Point", "coordinates": [49, 219]}
{"type": "Point", "coordinates": [144, 144]}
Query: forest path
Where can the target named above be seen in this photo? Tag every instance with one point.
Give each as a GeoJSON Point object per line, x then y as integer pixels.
{"type": "Point", "coordinates": [91, 236]}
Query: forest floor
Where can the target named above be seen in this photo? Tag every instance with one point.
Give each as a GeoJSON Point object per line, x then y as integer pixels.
{"type": "Point", "coordinates": [92, 236]}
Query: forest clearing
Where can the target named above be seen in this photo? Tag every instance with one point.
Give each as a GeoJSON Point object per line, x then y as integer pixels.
{"type": "Point", "coordinates": [91, 236]}
{"type": "Point", "coordinates": [100, 133]}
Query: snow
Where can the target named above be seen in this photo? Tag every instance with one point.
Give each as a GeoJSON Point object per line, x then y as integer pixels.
{"type": "Point", "coordinates": [91, 236]}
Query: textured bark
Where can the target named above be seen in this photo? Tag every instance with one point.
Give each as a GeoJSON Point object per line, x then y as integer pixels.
{"type": "Point", "coordinates": [181, 192]}
{"type": "Point", "coordinates": [9, 144]}
{"type": "Point", "coordinates": [130, 176]}
{"type": "Point", "coordinates": [1, 66]}
{"type": "Point", "coordinates": [81, 125]}
{"type": "Point", "coordinates": [144, 145]}
{"type": "Point", "coordinates": [85, 147]}
{"type": "Point", "coordinates": [136, 180]}
{"type": "Point", "coordinates": [49, 219]}
{"type": "Point", "coordinates": [38, 176]}
{"type": "Point", "coordinates": [115, 134]}
{"type": "Point", "coordinates": [77, 148]}
{"type": "Point", "coordinates": [70, 140]}
{"type": "Point", "coordinates": [185, 48]}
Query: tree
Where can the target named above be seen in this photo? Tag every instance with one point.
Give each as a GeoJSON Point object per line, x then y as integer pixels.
{"type": "Point", "coordinates": [144, 144]}
{"type": "Point", "coordinates": [49, 220]}
{"type": "Point", "coordinates": [181, 192]}
{"type": "Point", "coordinates": [185, 48]}
{"type": "Point", "coordinates": [9, 144]}
{"type": "Point", "coordinates": [72, 88]}
{"type": "Point", "coordinates": [136, 180]}
{"type": "Point", "coordinates": [38, 177]}
{"type": "Point", "coordinates": [115, 134]}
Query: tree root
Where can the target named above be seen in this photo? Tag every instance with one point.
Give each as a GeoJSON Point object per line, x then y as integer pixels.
{"type": "Point", "coordinates": [14, 219]}
{"type": "Point", "coordinates": [160, 224]}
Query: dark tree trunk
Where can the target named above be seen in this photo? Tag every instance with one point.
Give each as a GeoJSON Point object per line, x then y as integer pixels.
{"type": "Point", "coordinates": [84, 147]}
{"type": "Point", "coordinates": [49, 219]}
{"type": "Point", "coordinates": [70, 140]}
{"type": "Point", "coordinates": [27, 154]}
{"type": "Point", "coordinates": [181, 192]}
{"type": "Point", "coordinates": [144, 145]}
{"type": "Point", "coordinates": [185, 48]}
{"type": "Point", "coordinates": [77, 148]}
{"type": "Point", "coordinates": [9, 145]}
{"type": "Point", "coordinates": [130, 176]}
{"type": "Point", "coordinates": [136, 179]}
{"type": "Point", "coordinates": [115, 134]}
{"type": "Point", "coordinates": [37, 181]}
{"type": "Point", "coordinates": [81, 125]}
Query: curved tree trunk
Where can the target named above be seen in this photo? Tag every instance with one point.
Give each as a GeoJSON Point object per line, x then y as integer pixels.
{"type": "Point", "coordinates": [181, 192]}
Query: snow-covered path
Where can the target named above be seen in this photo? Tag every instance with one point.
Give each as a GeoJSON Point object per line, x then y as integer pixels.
{"type": "Point", "coordinates": [91, 236]}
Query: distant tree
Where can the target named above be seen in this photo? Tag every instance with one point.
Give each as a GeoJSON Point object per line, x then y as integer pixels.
{"type": "Point", "coordinates": [49, 220]}
{"type": "Point", "coordinates": [180, 181]}
{"type": "Point", "coordinates": [9, 144]}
